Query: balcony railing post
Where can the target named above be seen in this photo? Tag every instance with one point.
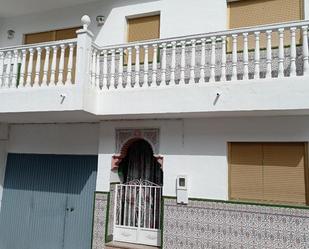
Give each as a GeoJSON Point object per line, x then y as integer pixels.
{"type": "Point", "coordinates": [83, 57]}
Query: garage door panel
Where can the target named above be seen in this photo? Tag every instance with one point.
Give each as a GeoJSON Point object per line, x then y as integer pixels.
{"type": "Point", "coordinates": [37, 192]}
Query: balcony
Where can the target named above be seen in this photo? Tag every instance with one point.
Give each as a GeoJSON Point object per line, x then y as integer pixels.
{"type": "Point", "coordinates": [264, 68]}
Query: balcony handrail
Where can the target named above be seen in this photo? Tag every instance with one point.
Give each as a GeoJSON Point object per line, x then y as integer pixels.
{"type": "Point", "coordinates": [218, 34]}
{"type": "Point", "coordinates": [36, 45]}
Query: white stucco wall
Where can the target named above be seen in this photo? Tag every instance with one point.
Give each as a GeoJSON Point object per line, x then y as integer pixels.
{"type": "Point", "coordinates": [3, 155]}
{"type": "Point", "coordinates": [198, 148]}
{"type": "Point", "coordinates": [54, 139]}
{"type": "Point", "coordinates": [306, 8]}
{"type": "Point", "coordinates": [178, 17]}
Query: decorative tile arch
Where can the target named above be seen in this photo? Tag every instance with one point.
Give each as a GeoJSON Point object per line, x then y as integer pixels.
{"type": "Point", "coordinates": [125, 137]}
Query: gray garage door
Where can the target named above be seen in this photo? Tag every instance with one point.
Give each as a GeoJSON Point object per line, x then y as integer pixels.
{"type": "Point", "coordinates": [48, 202]}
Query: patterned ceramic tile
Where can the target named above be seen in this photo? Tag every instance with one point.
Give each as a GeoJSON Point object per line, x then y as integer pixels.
{"type": "Point", "coordinates": [99, 221]}
{"type": "Point", "coordinates": [218, 225]}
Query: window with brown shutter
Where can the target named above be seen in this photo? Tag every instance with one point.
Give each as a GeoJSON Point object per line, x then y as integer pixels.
{"type": "Point", "coordinates": [247, 13]}
{"type": "Point", "coordinates": [268, 172]}
{"type": "Point", "coordinates": [142, 29]}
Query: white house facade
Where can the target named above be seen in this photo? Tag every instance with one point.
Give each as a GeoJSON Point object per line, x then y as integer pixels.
{"type": "Point", "coordinates": [154, 124]}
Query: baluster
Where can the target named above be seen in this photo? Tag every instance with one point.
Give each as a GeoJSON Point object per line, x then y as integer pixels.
{"type": "Point", "coordinates": [163, 66]}
{"type": "Point", "coordinates": [154, 65]}
{"type": "Point", "coordinates": [37, 67]}
{"type": "Point", "coordinates": [192, 68]}
{"type": "Point", "coordinates": [129, 68]}
{"type": "Point", "coordinates": [269, 55]}
{"type": "Point", "coordinates": [120, 69]}
{"type": "Point", "coordinates": [23, 68]}
{"type": "Point", "coordinates": [46, 66]}
{"type": "Point", "coordinates": [223, 63]}
{"type": "Point", "coordinates": [93, 66]}
{"type": "Point", "coordinates": [1, 67]}
{"type": "Point", "coordinates": [137, 66]}
{"type": "Point", "coordinates": [281, 53]}
{"type": "Point", "coordinates": [15, 69]}
{"type": "Point", "coordinates": [213, 60]}
{"type": "Point", "coordinates": [203, 60]}
{"type": "Point", "coordinates": [305, 50]}
{"type": "Point", "coordinates": [146, 67]}
{"type": "Point", "coordinates": [293, 52]}
{"type": "Point", "coordinates": [53, 67]}
{"type": "Point", "coordinates": [182, 63]}
{"type": "Point", "coordinates": [8, 70]}
{"type": "Point", "coordinates": [61, 64]}
{"type": "Point", "coordinates": [97, 74]}
{"type": "Point", "coordinates": [113, 69]}
{"type": "Point", "coordinates": [70, 64]}
{"type": "Point", "coordinates": [104, 69]}
{"type": "Point", "coordinates": [234, 59]}
{"type": "Point", "coordinates": [257, 56]}
{"type": "Point", "coordinates": [30, 66]}
{"type": "Point", "coordinates": [246, 57]}
{"type": "Point", "coordinates": [173, 64]}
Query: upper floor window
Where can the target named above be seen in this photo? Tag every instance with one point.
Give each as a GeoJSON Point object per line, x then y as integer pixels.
{"type": "Point", "coordinates": [246, 13]}
{"type": "Point", "coordinates": [48, 36]}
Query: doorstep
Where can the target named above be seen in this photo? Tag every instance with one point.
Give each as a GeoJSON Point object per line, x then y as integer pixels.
{"type": "Point", "coordinates": [121, 245]}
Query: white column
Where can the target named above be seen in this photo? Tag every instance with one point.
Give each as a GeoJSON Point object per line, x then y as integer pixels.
{"type": "Point", "coordinates": [163, 65]}
{"type": "Point", "coordinates": [129, 68]}
{"type": "Point", "coordinates": [146, 67]}
{"type": "Point", "coordinates": [203, 60]}
{"type": "Point", "coordinates": [281, 53]}
{"type": "Point", "coordinates": [293, 52]}
{"type": "Point", "coordinates": [70, 64]}
{"type": "Point", "coordinates": [173, 64]}
{"type": "Point", "coordinates": [154, 65]}
{"type": "Point", "coordinates": [234, 59]}
{"type": "Point", "coordinates": [223, 59]}
{"type": "Point", "coordinates": [53, 67]}
{"type": "Point", "coordinates": [257, 55]}
{"type": "Point", "coordinates": [22, 80]}
{"type": "Point", "coordinates": [83, 56]}
{"type": "Point", "coordinates": [192, 67]}
{"type": "Point", "coordinates": [137, 66]}
{"type": "Point", "coordinates": [105, 69]}
{"type": "Point", "coordinates": [213, 60]}
{"type": "Point", "coordinates": [269, 55]}
{"type": "Point", "coordinates": [15, 69]}
{"type": "Point", "coordinates": [46, 66]}
{"type": "Point", "coordinates": [8, 70]}
{"type": "Point", "coordinates": [1, 68]}
{"type": "Point", "coordinates": [37, 67]}
{"type": "Point", "coordinates": [182, 63]}
{"type": "Point", "coordinates": [61, 65]}
{"type": "Point", "coordinates": [305, 50]}
{"type": "Point", "coordinates": [93, 66]}
{"type": "Point", "coordinates": [120, 68]}
{"type": "Point", "coordinates": [246, 57]}
{"type": "Point", "coordinates": [113, 69]}
{"type": "Point", "coordinates": [97, 74]}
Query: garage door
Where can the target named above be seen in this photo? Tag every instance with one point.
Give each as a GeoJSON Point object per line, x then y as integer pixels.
{"type": "Point", "coordinates": [48, 202]}
{"type": "Point", "coordinates": [268, 172]}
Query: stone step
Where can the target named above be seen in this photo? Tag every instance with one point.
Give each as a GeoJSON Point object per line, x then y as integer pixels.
{"type": "Point", "coordinates": [120, 245]}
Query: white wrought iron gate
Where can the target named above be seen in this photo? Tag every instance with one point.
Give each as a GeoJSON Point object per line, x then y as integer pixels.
{"type": "Point", "coordinates": [137, 213]}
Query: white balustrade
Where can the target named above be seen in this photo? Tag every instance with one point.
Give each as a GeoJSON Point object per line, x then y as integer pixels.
{"type": "Point", "coordinates": [239, 54]}
{"type": "Point", "coordinates": [30, 65]}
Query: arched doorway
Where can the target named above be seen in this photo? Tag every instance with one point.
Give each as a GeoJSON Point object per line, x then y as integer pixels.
{"type": "Point", "coordinates": [138, 197]}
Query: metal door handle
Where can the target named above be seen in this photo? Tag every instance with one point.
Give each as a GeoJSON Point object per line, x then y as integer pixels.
{"type": "Point", "coordinates": [70, 209]}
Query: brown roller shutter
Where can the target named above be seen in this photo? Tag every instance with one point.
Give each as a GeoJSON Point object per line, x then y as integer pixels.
{"type": "Point", "coordinates": [268, 172]}
{"type": "Point", "coordinates": [247, 13]}
{"type": "Point", "coordinates": [284, 172]}
{"type": "Point", "coordinates": [246, 171]}
{"type": "Point", "coordinates": [141, 29]}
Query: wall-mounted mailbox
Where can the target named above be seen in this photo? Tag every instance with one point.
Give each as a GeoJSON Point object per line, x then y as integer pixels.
{"type": "Point", "coordinates": [182, 190]}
